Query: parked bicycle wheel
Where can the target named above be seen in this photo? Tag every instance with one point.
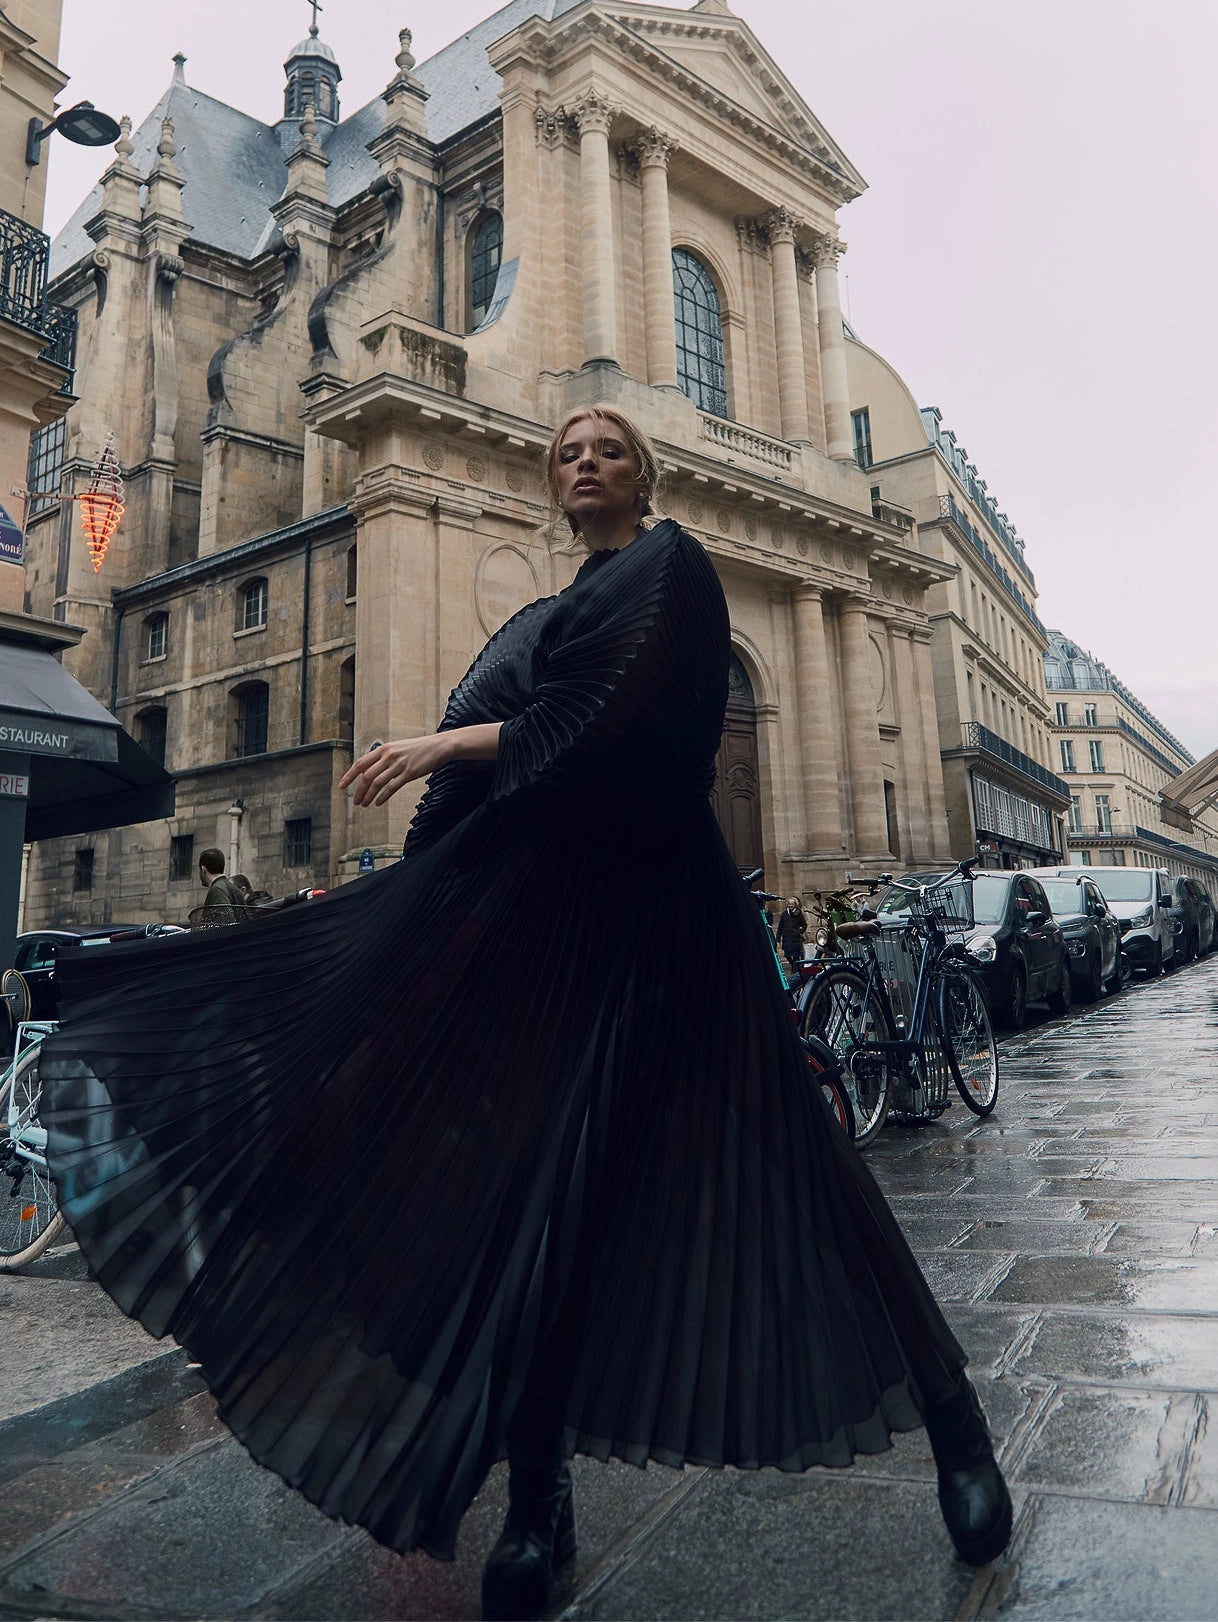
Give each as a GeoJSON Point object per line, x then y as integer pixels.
{"type": "Point", "coordinates": [844, 1011]}
{"type": "Point", "coordinates": [968, 1037]}
{"type": "Point", "coordinates": [822, 1061]}
{"type": "Point", "coordinates": [30, 1218]}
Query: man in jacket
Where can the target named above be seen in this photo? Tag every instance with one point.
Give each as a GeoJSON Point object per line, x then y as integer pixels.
{"type": "Point", "coordinates": [225, 903]}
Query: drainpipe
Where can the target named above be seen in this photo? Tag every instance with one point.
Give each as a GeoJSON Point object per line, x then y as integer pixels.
{"type": "Point", "coordinates": [304, 643]}
{"type": "Point", "coordinates": [235, 812]}
{"type": "Point", "coordinates": [118, 631]}
{"type": "Point", "coordinates": [440, 258]}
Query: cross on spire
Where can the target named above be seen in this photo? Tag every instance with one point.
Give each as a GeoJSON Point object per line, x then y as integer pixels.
{"type": "Point", "coordinates": [317, 6]}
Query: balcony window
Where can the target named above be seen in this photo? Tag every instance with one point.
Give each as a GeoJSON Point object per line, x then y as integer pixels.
{"type": "Point", "coordinates": [1096, 748]}
{"type": "Point", "coordinates": [1089, 716]}
{"type": "Point", "coordinates": [862, 436]}
{"type": "Point", "coordinates": [1063, 715]}
{"type": "Point", "coordinates": [700, 369]}
{"type": "Point", "coordinates": [1103, 813]}
{"type": "Point", "coordinates": [1076, 815]}
{"type": "Point", "coordinates": [44, 473]}
{"type": "Point", "coordinates": [1066, 745]}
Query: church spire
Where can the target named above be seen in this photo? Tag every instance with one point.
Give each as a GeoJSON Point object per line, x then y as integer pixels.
{"type": "Point", "coordinates": [313, 76]}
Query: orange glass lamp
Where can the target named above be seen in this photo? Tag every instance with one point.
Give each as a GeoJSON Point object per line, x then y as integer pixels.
{"type": "Point", "coordinates": [101, 505]}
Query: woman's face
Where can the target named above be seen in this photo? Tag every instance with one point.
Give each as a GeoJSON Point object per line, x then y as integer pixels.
{"type": "Point", "coordinates": [598, 475]}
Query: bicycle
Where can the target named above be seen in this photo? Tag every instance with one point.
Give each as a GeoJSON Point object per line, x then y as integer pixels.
{"type": "Point", "coordinates": [902, 1061]}
{"type": "Point", "coordinates": [30, 1218]}
{"type": "Point", "coordinates": [822, 1061]}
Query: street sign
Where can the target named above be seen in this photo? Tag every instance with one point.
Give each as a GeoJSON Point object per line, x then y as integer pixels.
{"type": "Point", "coordinates": [12, 540]}
{"type": "Point", "coordinates": [367, 862]}
{"type": "Point", "coordinates": [14, 787]}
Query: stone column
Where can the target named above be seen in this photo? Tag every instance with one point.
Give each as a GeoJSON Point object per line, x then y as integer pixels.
{"type": "Point", "coordinates": [862, 728]}
{"type": "Point", "coordinates": [835, 386]}
{"type": "Point", "coordinates": [817, 724]}
{"type": "Point", "coordinates": [594, 116]}
{"type": "Point", "coordinates": [915, 770]}
{"type": "Point", "coordinates": [936, 799]}
{"type": "Point", "coordinates": [659, 323]}
{"type": "Point", "coordinates": [788, 328]}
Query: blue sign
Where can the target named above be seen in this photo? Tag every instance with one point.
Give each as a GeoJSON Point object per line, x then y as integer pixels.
{"type": "Point", "coordinates": [367, 862]}
{"type": "Point", "coordinates": [12, 540]}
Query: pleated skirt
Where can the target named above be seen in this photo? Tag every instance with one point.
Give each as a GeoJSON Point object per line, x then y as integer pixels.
{"type": "Point", "coordinates": [369, 1159]}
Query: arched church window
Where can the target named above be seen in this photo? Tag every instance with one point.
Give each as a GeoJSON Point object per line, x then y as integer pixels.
{"type": "Point", "coordinates": [485, 254]}
{"type": "Point", "coordinates": [700, 369]}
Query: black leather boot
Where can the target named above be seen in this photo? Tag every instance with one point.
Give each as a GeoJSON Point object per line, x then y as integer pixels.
{"type": "Point", "coordinates": [536, 1545]}
{"type": "Point", "coordinates": [973, 1496]}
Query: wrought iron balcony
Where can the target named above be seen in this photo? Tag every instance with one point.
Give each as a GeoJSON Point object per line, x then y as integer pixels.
{"type": "Point", "coordinates": [976, 736]}
{"type": "Point", "coordinates": [949, 508]}
{"type": "Point", "coordinates": [24, 255]}
{"type": "Point", "coordinates": [1091, 831]}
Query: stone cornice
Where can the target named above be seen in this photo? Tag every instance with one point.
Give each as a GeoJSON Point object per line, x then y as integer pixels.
{"type": "Point", "coordinates": [537, 42]}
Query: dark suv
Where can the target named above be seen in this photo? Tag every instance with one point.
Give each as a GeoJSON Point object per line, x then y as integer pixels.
{"type": "Point", "coordinates": [1193, 912]}
{"type": "Point", "coordinates": [1016, 946]}
{"type": "Point", "coordinates": [1090, 930]}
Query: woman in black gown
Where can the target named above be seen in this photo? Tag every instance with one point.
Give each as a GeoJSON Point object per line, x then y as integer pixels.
{"type": "Point", "coordinates": [406, 1226]}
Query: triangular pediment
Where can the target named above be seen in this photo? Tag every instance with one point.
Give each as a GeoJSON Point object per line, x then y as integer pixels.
{"type": "Point", "coordinates": [723, 53]}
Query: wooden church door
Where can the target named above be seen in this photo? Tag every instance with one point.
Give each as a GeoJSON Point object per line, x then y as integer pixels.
{"type": "Point", "coordinates": [737, 792]}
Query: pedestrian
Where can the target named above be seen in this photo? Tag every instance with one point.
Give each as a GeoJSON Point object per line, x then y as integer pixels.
{"type": "Point", "coordinates": [792, 932]}
{"type": "Point", "coordinates": [608, 1215]}
{"type": "Point", "coordinates": [225, 902]}
{"type": "Point", "coordinates": [244, 885]}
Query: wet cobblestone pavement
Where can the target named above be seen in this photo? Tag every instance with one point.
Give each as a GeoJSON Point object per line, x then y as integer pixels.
{"type": "Point", "coordinates": [1073, 1240]}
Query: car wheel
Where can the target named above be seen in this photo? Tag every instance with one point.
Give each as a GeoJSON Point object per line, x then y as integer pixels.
{"type": "Point", "coordinates": [1015, 1010]}
{"type": "Point", "coordinates": [1060, 1000]}
{"type": "Point", "coordinates": [1095, 980]}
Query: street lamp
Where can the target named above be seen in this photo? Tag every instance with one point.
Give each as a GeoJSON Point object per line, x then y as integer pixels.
{"type": "Point", "coordinates": [82, 124]}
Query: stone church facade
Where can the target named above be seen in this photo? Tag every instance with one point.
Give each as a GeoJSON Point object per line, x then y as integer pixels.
{"type": "Point", "coordinates": [331, 350]}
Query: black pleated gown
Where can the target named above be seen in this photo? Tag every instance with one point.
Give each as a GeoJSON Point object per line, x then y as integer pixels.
{"type": "Point", "coordinates": [531, 1094]}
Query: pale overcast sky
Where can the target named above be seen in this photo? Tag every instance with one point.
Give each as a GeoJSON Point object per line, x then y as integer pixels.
{"type": "Point", "coordinates": [1035, 253]}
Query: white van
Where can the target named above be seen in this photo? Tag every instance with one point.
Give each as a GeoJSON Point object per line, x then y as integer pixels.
{"type": "Point", "coordinates": [1141, 901]}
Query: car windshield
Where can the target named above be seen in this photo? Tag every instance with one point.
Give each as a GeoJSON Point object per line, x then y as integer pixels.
{"type": "Point", "coordinates": [989, 896]}
{"type": "Point", "coordinates": [1130, 885]}
{"type": "Point", "coordinates": [1065, 895]}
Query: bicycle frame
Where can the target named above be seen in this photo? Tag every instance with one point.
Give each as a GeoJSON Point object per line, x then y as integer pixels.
{"type": "Point", "coordinates": [26, 1142]}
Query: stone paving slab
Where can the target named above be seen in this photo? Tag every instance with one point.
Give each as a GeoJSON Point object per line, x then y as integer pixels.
{"type": "Point", "coordinates": [1073, 1241]}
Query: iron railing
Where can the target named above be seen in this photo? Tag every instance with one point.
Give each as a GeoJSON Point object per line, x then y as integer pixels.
{"type": "Point", "coordinates": [1100, 830]}
{"type": "Point", "coordinates": [976, 736]}
{"type": "Point", "coordinates": [1160, 759]}
{"type": "Point", "coordinates": [24, 256]}
{"type": "Point", "coordinates": [949, 508]}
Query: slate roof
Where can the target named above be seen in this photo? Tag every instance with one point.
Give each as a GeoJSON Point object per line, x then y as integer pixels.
{"type": "Point", "coordinates": [233, 165]}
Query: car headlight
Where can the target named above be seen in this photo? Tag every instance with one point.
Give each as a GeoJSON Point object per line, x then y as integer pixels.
{"type": "Point", "coordinates": [982, 949]}
{"type": "Point", "coordinates": [1143, 920]}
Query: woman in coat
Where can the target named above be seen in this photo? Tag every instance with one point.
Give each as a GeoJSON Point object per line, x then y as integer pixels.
{"type": "Point", "coordinates": [606, 1215]}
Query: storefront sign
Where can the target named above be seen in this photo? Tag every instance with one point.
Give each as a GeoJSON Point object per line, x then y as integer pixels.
{"type": "Point", "coordinates": [12, 540]}
{"type": "Point", "coordinates": [14, 787]}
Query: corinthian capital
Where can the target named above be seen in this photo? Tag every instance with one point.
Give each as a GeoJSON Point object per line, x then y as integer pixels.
{"type": "Point", "coordinates": [826, 251]}
{"type": "Point", "coordinates": [654, 148]}
{"type": "Point", "coordinates": [593, 113]}
{"type": "Point", "coordinates": [782, 225]}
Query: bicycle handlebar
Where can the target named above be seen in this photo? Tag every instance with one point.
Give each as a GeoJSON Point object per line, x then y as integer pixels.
{"type": "Point", "coordinates": [962, 869]}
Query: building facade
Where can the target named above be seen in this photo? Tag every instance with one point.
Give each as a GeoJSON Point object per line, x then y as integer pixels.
{"type": "Point", "coordinates": [1005, 801]}
{"type": "Point", "coordinates": [331, 350]}
{"type": "Point", "coordinates": [1117, 757]}
{"type": "Point", "coordinates": [37, 333]}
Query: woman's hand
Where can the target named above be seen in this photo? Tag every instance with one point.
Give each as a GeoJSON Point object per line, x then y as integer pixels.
{"type": "Point", "coordinates": [380, 773]}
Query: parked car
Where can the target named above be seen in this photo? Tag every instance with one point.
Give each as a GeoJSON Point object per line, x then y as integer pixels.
{"type": "Point", "coordinates": [1195, 915]}
{"type": "Point", "coordinates": [38, 949]}
{"type": "Point", "coordinates": [1016, 945]}
{"type": "Point", "coordinates": [1142, 900]}
{"type": "Point", "coordinates": [1090, 931]}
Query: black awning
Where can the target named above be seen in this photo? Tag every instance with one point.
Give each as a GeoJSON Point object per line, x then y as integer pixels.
{"type": "Point", "coordinates": [85, 771]}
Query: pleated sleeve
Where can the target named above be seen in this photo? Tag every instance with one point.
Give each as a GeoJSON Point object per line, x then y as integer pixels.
{"type": "Point", "coordinates": [629, 695]}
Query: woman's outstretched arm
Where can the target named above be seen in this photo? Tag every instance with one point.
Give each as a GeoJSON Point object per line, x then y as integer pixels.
{"type": "Point", "coordinates": [380, 773]}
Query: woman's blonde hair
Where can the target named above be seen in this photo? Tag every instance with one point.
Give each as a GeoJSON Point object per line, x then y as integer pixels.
{"type": "Point", "coordinates": [636, 439]}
